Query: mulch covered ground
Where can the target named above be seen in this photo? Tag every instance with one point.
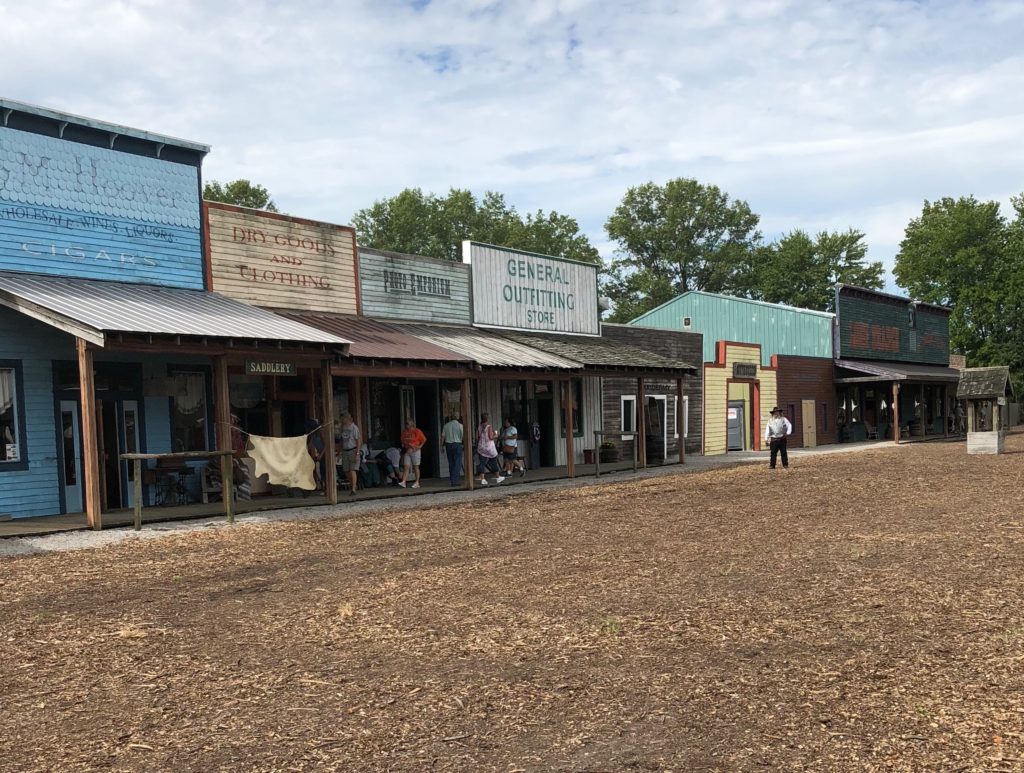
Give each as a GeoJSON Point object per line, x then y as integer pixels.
{"type": "Point", "coordinates": [862, 612]}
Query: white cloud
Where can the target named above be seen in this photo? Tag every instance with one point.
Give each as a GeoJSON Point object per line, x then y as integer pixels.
{"type": "Point", "coordinates": [847, 113]}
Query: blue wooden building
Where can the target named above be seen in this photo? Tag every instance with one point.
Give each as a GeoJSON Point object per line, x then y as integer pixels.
{"type": "Point", "coordinates": [110, 341]}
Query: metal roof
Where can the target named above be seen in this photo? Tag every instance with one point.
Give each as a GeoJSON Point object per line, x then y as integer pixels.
{"type": "Point", "coordinates": [600, 352]}
{"type": "Point", "coordinates": [90, 309]}
{"type": "Point", "coordinates": [895, 371]}
{"type": "Point", "coordinates": [984, 383]}
{"type": "Point", "coordinates": [487, 348]}
{"type": "Point", "coordinates": [376, 339]}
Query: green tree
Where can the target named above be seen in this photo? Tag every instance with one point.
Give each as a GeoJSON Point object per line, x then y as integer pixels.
{"type": "Point", "coordinates": [802, 272]}
{"type": "Point", "coordinates": [426, 224]}
{"type": "Point", "coordinates": [675, 237]}
{"type": "Point", "coordinates": [241, 193]}
{"type": "Point", "coordinates": [959, 253]}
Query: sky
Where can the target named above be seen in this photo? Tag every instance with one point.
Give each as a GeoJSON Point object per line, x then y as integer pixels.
{"type": "Point", "coordinates": [821, 115]}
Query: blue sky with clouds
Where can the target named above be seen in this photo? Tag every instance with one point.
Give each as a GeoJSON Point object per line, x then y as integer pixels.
{"type": "Point", "coordinates": [819, 114]}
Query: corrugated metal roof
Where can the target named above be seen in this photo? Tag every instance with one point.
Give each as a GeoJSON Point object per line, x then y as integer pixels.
{"type": "Point", "coordinates": [777, 328]}
{"type": "Point", "coordinates": [374, 338]}
{"type": "Point", "coordinates": [487, 348]}
{"type": "Point", "coordinates": [91, 308]}
{"type": "Point", "coordinates": [898, 371]}
{"type": "Point", "coordinates": [601, 352]}
{"type": "Point", "coordinates": [984, 383]}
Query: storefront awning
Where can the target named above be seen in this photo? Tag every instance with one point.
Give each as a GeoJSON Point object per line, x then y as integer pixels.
{"type": "Point", "coordinates": [374, 339]}
{"type": "Point", "coordinates": [93, 310]}
{"type": "Point", "coordinates": [860, 371]}
{"type": "Point", "coordinates": [603, 354]}
{"type": "Point", "coordinates": [487, 348]}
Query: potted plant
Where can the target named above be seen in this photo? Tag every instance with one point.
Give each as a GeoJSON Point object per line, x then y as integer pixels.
{"type": "Point", "coordinates": [609, 452]}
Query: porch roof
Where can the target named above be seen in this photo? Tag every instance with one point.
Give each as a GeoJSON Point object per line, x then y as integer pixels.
{"type": "Point", "coordinates": [860, 371]}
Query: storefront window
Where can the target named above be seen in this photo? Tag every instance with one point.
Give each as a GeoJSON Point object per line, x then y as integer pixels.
{"type": "Point", "coordinates": [189, 423]}
{"type": "Point", "coordinates": [513, 401]}
{"type": "Point", "coordinates": [385, 411]}
{"type": "Point", "coordinates": [576, 396]}
{"type": "Point", "coordinates": [451, 400]}
{"type": "Point", "coordinates": [10, 424]}
{"type": "Point", "coordinates": [628, 414]}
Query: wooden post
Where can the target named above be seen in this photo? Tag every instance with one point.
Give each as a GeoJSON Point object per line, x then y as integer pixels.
{"type": "Point", "coordinates": [468, 436]}
{"type": "Point", "coordinates": [222, 403]}
{"type": "Point", "coordinates": [924, 413]}
{"type": "Point", "coordinates": [90, 445]}
{"type": "Point", "coordinates": [641, 422]}
{"type": "Point", "coordinates": [331, 473]}
{"type": "Point", "coordinates": [895, 412]}
{"type": "Point", "coordinates": [570, 451]}
{"type": "Point", "coordinates": [356, 408]}
{"type": "Point", "coordinates": [681, 420]}
{"type": "Point", "coordinates": [227, 485]}
{"type": "Point", "coordinates": [138, 494]}
{"type": "Point", "coordinates": [946, 415]}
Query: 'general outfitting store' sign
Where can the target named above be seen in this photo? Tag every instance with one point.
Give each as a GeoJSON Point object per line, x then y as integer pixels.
{"type": "Point", "coordinates": [538, 293]}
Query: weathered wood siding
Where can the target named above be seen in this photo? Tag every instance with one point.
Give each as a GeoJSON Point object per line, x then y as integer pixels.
{"type": "Point", "coordinates": [878, 326]}
{"type": "Point", "coordinates": [281, 262]}
{"type": "Point", "coordinates": [717, 376]}
{"type": "Point", "coordinates": [807, 378]}
{"type": "Point", "coordinates": [685, 347]}
{"type": "Point", "coordinates": [396, 286]}
{"type": "Point", "coordinates": [524, 291]}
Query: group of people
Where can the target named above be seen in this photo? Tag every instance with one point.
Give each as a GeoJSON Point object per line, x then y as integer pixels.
{"type": "Point", "coordinates": [497, 454]}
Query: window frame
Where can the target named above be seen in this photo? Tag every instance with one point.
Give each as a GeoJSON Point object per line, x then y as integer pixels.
{"type": "Point", "coordinates": [627, 434]}
{"type": "Point", "coordinates": [20, 424]}
{"type": "Point", "coordinates": [686, 418]}
{"type": "Point", "coordinates": [209, 419]}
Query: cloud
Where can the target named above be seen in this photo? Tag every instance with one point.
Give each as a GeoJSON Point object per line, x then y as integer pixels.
{"type": "Point", "coordinates": [848, 113]}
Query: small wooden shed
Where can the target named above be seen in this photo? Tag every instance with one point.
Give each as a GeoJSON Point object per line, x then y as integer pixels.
{"type": "Point", "coordinates": [987, 393]}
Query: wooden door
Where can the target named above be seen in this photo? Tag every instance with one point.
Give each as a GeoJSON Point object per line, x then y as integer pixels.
{"type": "Point", "coordinates": [810, 424]}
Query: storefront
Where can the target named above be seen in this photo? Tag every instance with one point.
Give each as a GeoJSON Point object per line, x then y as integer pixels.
{"type": "Point", "coordinates": [892, 374]}
{"type": "Point", "coordinates": [109, 340]}
{"type": "Point", "coordinates": [794, 366]}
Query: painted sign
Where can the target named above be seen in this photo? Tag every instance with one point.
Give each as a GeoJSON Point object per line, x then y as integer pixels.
{"type": "Point", "coordinates": [397, 286]}
{"type": "Point", "coordinates": [523, 291]}
{"type": "Point", "coordinates": [257, 368]}
{"type": "Point", "coordinates": [76, 210]}
{"type": "Point", "coordinates": [744, 370]}
{"type": "Point", "coordinates": [878, 326]}
{"type": "Point", "coordinates": [281, 262]}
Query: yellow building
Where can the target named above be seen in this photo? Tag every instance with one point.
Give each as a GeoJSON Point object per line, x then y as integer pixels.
{"type": "Point", "coordinates": [739, 393]}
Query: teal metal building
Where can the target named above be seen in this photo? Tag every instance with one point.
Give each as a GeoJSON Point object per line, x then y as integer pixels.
{"type": "Point", "coordinates": [778, 329]}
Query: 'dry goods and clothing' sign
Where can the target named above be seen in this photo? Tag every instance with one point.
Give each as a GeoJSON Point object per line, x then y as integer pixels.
{"type": "Point", "coordinates": [397, 286]}
{"type": "Point", "coordinates": [281, 262]}
{"type": "Point", "coordinates": [523, 291]}
{"type": "Point", "coordinates": [76, 210]}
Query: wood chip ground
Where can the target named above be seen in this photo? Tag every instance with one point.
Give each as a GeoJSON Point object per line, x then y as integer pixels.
{"type": "Point", "coordinates": [860, 612]}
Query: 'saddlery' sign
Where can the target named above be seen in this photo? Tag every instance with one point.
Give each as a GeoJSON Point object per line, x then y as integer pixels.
{"type": "Point", "coordinates": [261, 368]}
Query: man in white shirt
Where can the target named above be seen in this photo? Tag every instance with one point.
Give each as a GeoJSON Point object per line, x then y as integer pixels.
{"type": "Point", "coordinates": [775, 434]}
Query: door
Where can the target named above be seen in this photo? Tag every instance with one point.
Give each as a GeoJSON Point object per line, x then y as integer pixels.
{"type": "Point", "coordinates": [810, 424]}
{"type": "Point", "coordinates": [546, 428]}
{"type": "Point", "coordinates": [736, 422]}
{"type": "Point", "coordinates": [656, 426]}
{"type": "Point", "coordinates": [130, 444]}
{"type": "Point", "coordinates": [71, 456]}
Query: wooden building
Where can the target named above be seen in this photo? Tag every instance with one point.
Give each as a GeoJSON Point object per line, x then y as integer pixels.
{"type": "Point", "coordinates": [987, 394]}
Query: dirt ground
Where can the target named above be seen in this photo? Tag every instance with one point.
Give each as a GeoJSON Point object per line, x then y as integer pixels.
{"type": "Point", "coordinates": [860, 612]}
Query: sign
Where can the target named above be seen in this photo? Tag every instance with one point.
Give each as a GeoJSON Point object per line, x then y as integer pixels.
{"type": "Point", "coordinates": [258, 368]}
{"type": "Point", "coordinates": [872, 325]}
{"type": "Point", "coordinates": [744, 370]}
{"type": "Point", "coordinates": [69, 209]}
{"type": "Point", "coordinates": [282, 262]}
{"type": "Point", "coordinates": [733, 414]}
{"type": "Point", "coordinates": [524, 291]}
{"type": "Point", "coordinates": [397, 286]}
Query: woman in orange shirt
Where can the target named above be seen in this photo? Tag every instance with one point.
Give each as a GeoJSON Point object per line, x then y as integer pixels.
{"type": "Point", "coordinates": [412, 443]}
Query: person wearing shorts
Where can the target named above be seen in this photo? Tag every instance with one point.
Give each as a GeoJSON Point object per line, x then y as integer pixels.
{"type": "Point", "coordinates": [510, 449]}
{"type": "Point", "coordinates": [412, 446]}
{"type": "Point", "coordinates": [349, 450]}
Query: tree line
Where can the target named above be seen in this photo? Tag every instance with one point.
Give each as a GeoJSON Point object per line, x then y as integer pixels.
{"type": "Point", "coordinates": [686, 235]}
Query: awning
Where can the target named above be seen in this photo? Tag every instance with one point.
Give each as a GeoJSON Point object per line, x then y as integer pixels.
{"type": "Point", "coordinates": [487, 348]}
{"type": "Point", "coordinates": [374, 339]}
{"type": "Point", "coordinates": [93, 309]}
{"type": "Point", "coordinates": [600, 353]}
{"type": "Point", "coordinates": [860, 371]}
